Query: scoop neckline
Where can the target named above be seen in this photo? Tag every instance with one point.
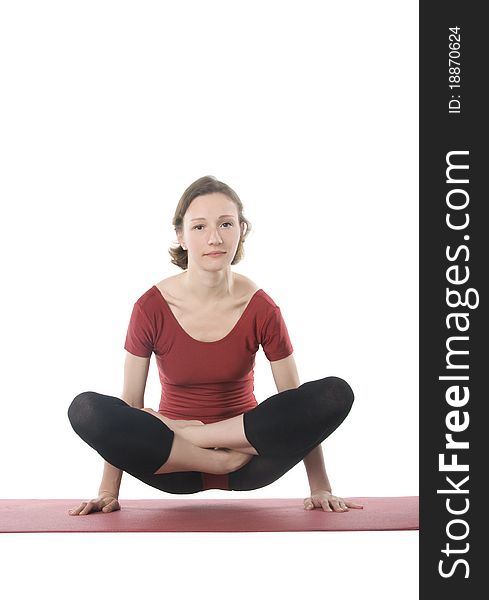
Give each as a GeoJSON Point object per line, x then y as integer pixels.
{"type": "Point", "coordinates": [165, 303]}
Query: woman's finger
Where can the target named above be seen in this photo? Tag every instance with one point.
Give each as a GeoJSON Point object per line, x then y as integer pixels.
{"type": "Point", "coordinates": [110, 506]}
{"type": "Point", "coordinates": [87, 508]}
{"type": "Point", "coordinates": [76, 511]}
{"type": "Point", "coordinates": [325, 506]}
{"type": "Point", "coordinates": [353, 504]}
{"type": "Point", "coordinates": [335, 504]}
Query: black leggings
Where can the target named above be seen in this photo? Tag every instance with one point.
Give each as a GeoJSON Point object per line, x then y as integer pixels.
{"type": "Point", "coordinates": [283, 429]}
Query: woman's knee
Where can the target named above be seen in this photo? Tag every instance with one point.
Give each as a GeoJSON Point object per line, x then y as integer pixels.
{"type": "Point", "coordinates": [340, 396]}
{"type": "Point", "coordinates": [83, 412]}
{"type": "Point", "coordinates": [345, 388]}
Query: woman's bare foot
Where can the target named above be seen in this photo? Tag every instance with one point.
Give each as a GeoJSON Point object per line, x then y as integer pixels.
{"type": "Point", "coordinates": [173, 424]}
{"type": "Point", "coordinates": [237, 459]}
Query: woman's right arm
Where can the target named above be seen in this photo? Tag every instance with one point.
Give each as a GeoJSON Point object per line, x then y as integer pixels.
{"type": "Point", "coordinates": [136, 370]}
{"type": "Point", "coordinates": [111, 480]}
{"type": "Point", "coordinates": [135, 376]}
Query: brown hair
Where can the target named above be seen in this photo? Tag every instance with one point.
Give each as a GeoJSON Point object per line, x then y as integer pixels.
{"type": "Point", "coordinates": [205, 185]}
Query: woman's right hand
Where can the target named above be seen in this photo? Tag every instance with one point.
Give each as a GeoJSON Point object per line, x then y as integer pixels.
{"type": "Point", "coordinates": [103, 503]}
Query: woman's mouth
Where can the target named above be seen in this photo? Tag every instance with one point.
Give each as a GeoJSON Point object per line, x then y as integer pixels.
{"type": "Point", "coordinates": [215, 254]}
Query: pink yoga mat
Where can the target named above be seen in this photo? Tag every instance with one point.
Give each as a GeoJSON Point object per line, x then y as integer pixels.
{"type": "Point", "coordinates": [186, 514]}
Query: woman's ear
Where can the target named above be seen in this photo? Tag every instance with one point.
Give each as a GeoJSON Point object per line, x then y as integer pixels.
{"type": "Point", "coordinates": [180, 239]}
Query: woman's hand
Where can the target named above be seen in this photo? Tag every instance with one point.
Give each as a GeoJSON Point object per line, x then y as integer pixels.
{"type": "Point", "coordinates": [329, 503]}
{"type": "Point", "coordinates": [105, 502]}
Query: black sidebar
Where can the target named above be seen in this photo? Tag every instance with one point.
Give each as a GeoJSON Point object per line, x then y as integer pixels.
{"type": "Point", "coordinates": [454, 251]}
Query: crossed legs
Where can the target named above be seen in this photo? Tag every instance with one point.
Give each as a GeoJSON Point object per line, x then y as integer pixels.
{"type": "Point", "coordinates": [284, 424]}
{"type": "Point", "coordinates": [226, 434]}
{"type": "Point", "coordinates": [186, 456]}
{"type": "Point", "coordinates": [255, 448]}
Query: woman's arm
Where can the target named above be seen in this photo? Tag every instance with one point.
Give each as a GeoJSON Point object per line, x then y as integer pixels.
{"type": "Point", "coordinates": [111, 480]}
{"type": "Point", "coordinates": [285, 373]}
{"type": "Point", "coordinates": [135, 376]}
{"type": "Point", "coordinates": [286, 378]}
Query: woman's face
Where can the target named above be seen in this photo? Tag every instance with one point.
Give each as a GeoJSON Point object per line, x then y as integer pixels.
{"type": "Point", "coordinates": [211, 226]}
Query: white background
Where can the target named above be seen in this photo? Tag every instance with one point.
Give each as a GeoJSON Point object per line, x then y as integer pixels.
{"type": "Point", "coordinates": [308, 110]}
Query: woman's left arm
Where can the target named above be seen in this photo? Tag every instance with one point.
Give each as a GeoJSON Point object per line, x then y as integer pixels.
{"type": "Point", "coordinates": [286, 377]}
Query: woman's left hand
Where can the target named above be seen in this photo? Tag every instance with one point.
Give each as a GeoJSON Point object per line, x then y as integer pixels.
{"type": "Point", "coordinates": [329, 503]}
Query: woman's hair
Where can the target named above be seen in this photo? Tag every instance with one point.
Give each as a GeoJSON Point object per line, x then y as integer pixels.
{"type": "Point", "coordinates": [205, 185]}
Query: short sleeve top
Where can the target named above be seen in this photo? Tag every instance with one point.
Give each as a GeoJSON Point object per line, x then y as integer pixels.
{"type": "Point", "coordinates": [208, 381]}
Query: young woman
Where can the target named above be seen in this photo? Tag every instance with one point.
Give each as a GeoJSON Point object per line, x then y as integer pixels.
{"type": "Point", "coordinates": [205, 326]}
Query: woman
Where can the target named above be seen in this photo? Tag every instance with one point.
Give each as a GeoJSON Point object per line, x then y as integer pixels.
{"type": "Point", "coordinates": [205, 326]}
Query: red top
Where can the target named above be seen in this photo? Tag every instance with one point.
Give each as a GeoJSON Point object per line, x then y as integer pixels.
{"type": "Point", "coordinates": [208, 381]}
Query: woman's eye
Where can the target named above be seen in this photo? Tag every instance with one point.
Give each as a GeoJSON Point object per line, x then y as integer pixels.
{"type": "Point", "coordinates": [226, 223]}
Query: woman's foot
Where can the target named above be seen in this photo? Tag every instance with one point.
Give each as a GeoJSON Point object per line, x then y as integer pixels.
{"type": "Point", "coordinates": [173, 424]}
{"type": "Point", "coordinates": [189, 431]}
{"type": "Point", "coordinates": [237, 459]}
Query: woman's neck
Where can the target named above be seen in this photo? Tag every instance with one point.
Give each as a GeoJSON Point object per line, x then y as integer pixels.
{"type": "Point", "coordinates": [208, 286]}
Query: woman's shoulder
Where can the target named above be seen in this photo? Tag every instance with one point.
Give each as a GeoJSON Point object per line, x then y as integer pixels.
{"type": "Point", "coordinates": [151, 300]}
{"type": "Point", "coordinates": [246, 287]}
{"type": "Point", "coordinates": [170, 286]}
{"type": "Point", "coordinates": [251, 290]}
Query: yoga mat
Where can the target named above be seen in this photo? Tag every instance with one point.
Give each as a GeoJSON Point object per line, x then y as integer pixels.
{"type": "Point", "coordinates": [269, 514]}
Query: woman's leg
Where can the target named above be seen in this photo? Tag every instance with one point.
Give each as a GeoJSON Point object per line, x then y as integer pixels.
{"type": "Point", "coordinates": [283, 424]}
{"type": "Point", "coordinates": [137, 442]}
{"type": "Point", "coordinates": [188, 482]}
{"type": "Point", "coordinates": [294, 420]}
{"type": "Point", "coordinates": [262, 471]}
{"type": "Point", "coordinates": [288, 427]}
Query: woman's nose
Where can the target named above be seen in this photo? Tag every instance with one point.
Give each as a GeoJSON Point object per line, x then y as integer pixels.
{"type": "Point", "coordinates": [214, 237]}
